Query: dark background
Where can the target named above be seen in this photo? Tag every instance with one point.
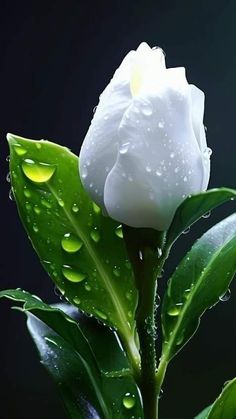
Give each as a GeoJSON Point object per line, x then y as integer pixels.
{"type": "Point", "coordinates": [56, 57]}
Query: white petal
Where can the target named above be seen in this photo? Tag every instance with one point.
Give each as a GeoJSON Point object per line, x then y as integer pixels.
{"type": "Point", "coordinates": [159, 163]}
{"type": "Point", "coordinates": [99, 149]}
{"type": "Point", "coordinates": [197, 101]}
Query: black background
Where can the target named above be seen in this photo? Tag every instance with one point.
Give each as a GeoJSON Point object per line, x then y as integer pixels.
{"type": "Point", "coordinates": [56, 57]}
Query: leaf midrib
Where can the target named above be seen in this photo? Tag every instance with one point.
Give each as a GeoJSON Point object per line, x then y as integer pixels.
{"type": "Point", "coordinates": [103, 274]}
{"type": "Point", "coordinates": [188, 301]}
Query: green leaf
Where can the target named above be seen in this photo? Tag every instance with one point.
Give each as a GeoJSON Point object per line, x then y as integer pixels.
{"type": "Point", "coordinates": [194, 207]}
{"type": "Point", "coordinates": [69, 354]}
{"type": "Point", "coordinates": [204, 413]}
{"type": "Point", "coordinates": [202, 277]}
{"type": "Point", "coordinates": [81, 250]}
{"type": "Point", "coordinates": [225, 406]}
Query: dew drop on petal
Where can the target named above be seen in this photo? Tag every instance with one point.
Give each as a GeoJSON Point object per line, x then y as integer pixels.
{"type": "Point", "coordinates": [124, 147]}
{"type": "Point", "coordinates": [37, 172]}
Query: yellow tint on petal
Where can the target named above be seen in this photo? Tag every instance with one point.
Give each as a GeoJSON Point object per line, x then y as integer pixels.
{"type": "Point", "coordinates": [136, 80]}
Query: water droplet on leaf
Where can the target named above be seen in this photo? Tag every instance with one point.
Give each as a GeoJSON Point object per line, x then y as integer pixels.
{"type": "Point", "coordinates": [19, 150]}
{"type": "Point", "coordinates": [38, 172]}
{"type": "Point", "coordinates": [95, 235]}
{"type": "Point", "coordinates": [100, 314]}
{"type": "Point", "coordinates": [129, 401]}
{"type": "Point", "coordinates": [72, 274]}
{"type": "Point", "coordinates": [175, 310]}
{"type": "Point", "coordinates": [75, 208]}
{"type": "Point", "coordinates": [119, 231]}
{"type": "Point", "coordinates": [71, 243]}
{"type": "Point", "coordinates": [226, 296]}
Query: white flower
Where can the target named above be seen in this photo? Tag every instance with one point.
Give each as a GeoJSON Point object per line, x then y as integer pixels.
{"type": "Point", "coordinates": [145, 150]}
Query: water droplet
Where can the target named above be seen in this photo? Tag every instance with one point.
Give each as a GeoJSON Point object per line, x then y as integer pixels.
{"type": "Point", "coordinates": [37, 172]}
{"type": "Point", "coordinates": [226, 296]}
{"type": "Point", "coordinates": [130, 315]}
{"type": "Point", "coordinates": [161, 124]}
{"type": "Point", "coordinates": [129, 295]}
{"type": "Point", "coordinates": [106, 117]}
{"type": "Point", "coordinates": [147, 109]}
{"type": "Point", "coordinates": [27, 192]}
{"type": "Point", "coordinates": [159, 252]}
{"type": "Point", "coordinates": [148, 169]}
{"type": "Point", "coordinates": [129, 401]}
{"type": "Point", "coordinates": [76, 300]}
{"type": "Point", "coordinates": [38, 145]}
{"type": "Point", "coordinates": [37, 210]}
{"type": "Point", "coordinates": [19, 150]}
{"type": "Point", "coordinates": [95, 108]}
{"type": "Point", "coordinates": [35, 228]}
{"type": "Point", "coordinates": [207, 214]}
{"type": "Point", "coordinates": [46, 203]}
{"type": "Point", "coordinates": [158, 173]}
{"type": "Point", "coordinates": [96, 208]}
{"type": "Point", "coordinates": [176, 170]}
{"type": "Point", "coordinates": [100, 314]}
{"type": "Point", "coordinates": [209, 151]}
{"type": "Point", "coordinates": [124, 147]}
{"type": "Point", "coordinates": [116, 271]}
{"type": "Point", "coordinates": [175, 310]}
{"type": "Point", "coordinates": [172, 155]}
{"type": "Point", "coordinates": [95, 235]}
{"type": "Point", "coordinates": [119, 231]}
{"type": "Point", "coordinates": [87, 287]}
{"type": "Point", "coordinates": [11, 195]}
{"type": "Point", "coordinates": [8, 159]}
{"type": "Point", "coordinates": [71, 243]}
{"type": "Point", "coordinates": [75, 208]}
{"type": "Point", "coordinates": [84, 172]}
{"type": "Point", "coordinates": [72, 274]}
{"type": "Point", "coordinates": [186, 231]}
{"type": "Point", "coordinates": [140, 253]}
{"type": "Point", "coordinates": [28, 206]}
{"type": "Point", "coordinates": [8, 178]}
{"type": "Point", "coordinates": [185, 179]}
{"type": "Point", "coordinates": [61, 202]}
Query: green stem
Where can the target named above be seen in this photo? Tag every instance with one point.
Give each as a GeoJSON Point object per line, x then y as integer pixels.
{"type": "Point", "coordinates": [160, 375]}
{"type": "Point", "coordinates": [146, 332]}
{"type": "Point", "coordinates": [144, 243]}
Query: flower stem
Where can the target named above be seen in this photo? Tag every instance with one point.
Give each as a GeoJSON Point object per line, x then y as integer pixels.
{"type": "Point", "coordinates": [145, 248]}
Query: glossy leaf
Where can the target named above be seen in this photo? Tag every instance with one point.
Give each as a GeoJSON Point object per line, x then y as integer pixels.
{"type": "Point", "coordinates": [194, 207]}
{"type": "Point", "coordinates": [204, 413]}
{"type": "Point", "coordinates": [225, 406]}
{"type": "Point", "coordinates": [70, 356]}
{"type": "Point", "coordinates": [202, 277]}
{"type": "Point", "coordinates": [82, 250]}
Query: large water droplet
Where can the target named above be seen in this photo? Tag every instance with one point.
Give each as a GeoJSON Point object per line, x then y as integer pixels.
{"type": "Point", "coordinates": [72, 274]}
{"type": "Point", "coordinates": [124, 147]}
{"type": "Point", "coordinates": [19, 150]}
{"type": "Point", "coordinates": [71, 243]}
{"type": "Point", "coordinates": [226, 296]}
{"type": "Point", "coordinates": [119, 231]}
{"type": "Point", "coordinates": [95, 235]}
{"type": "Point", "coordinates": [37, 172]}
{"type": "Point", "coordinates": [129, 401]}
{"type": "Point", "coordinates": [175, 310]}
{"type": "Point", "coordinates": [61, 202]}
{"type": "Point", "coordinates": [76, 300]}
